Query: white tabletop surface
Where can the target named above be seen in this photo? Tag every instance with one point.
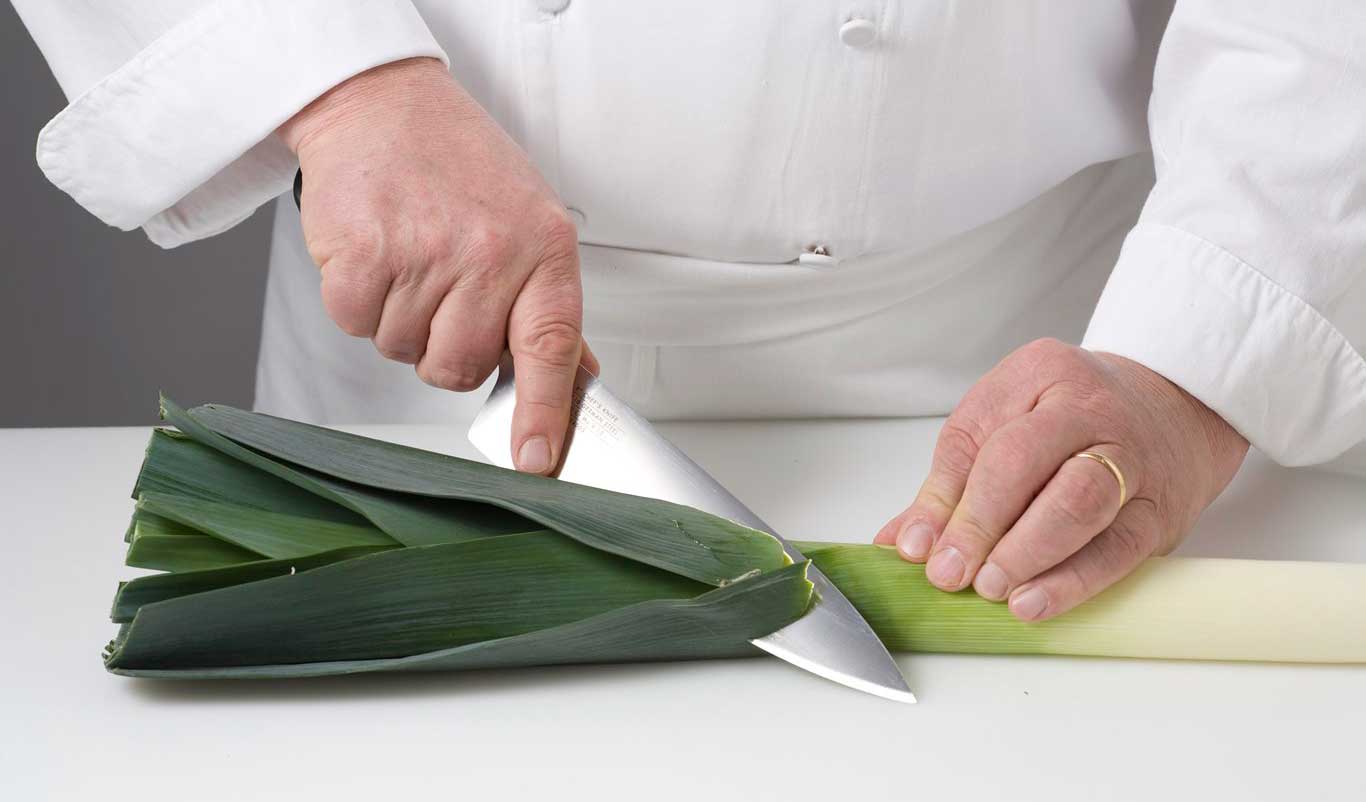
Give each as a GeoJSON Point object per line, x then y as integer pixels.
{"type": "Point", "coordinates": [986, 727]}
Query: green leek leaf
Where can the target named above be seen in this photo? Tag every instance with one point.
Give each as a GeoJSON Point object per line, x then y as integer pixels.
{"type": "Point", "coordinates": [184, 552]}
{"type": "Point", "coordinates": [676, 538]}
{"type": "Point", "coordinates": [411, 520]}
{"type": "Point", "coordinates": [266, 533]}
{"type": "Point", "coordinates": [133, 594]}
{"type": "Point", "coordinates": [177, 465]}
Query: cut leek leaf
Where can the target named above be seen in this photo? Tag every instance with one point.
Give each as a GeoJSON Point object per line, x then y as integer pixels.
{"type": "Point", "coordinates": [133, 594]}
{"type": "Point", "coordinates": [266, 533]}
{"type": "Point", "coordinates": [411, 520]}
{"type": "Point", "coordinates": [184, 552]}
{"type": "Point", "coordinates": [676, 538]}
{"type": "Point", "coordinates": [146, 523]}
{"type": "Point", "coordinates": [162, 544]}
{"type": "Point", "coordinates": [176, 465]}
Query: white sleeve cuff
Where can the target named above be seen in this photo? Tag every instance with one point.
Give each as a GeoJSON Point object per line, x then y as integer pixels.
{"type": "Point", "coordinates": [180, 140]}
{"type": "Point", "coordinates": [1270, 364]}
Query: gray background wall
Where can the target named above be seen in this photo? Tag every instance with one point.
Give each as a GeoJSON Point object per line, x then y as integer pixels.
{"type": "Point", "coordinates": [93, 320]}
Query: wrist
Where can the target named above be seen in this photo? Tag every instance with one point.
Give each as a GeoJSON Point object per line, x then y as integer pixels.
{"type": "Point", "coordinates": [411, 83]}
{"type": "Point", "coordinates": [1225, 445]}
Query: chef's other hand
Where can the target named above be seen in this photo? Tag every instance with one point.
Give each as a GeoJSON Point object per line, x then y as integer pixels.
{"type": "Point", "coordinates": [1009, 509]}
{"type": "Point", "coordinates": [440, 242]}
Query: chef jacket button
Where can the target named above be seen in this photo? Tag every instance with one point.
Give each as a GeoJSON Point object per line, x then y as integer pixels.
{"type": "Point", "coordinates": [858, 33]}
{"type": "Point", "coordinates": [580, 219]}
{"type": "Point", "coordinates": [817, 256]}
{"type": "Point", "coordinates": [552, 6]}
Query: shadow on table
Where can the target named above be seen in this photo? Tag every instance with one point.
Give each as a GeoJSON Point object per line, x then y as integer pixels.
{"type": "Point", "coordinates": [403, 685]}
{"type": "Point", "coordinates": [932, 676]}
{"type": "Point", "coordinates": [1275, 513]}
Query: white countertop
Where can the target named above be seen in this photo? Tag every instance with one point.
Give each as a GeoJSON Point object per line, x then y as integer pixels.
{"type": "Point", "coordinates": [986, 727]}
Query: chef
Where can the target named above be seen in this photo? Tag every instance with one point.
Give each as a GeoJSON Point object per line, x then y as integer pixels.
{"type": "Point", "coordinates": [1117, 240]}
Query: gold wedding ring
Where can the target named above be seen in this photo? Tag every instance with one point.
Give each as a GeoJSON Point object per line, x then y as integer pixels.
{"type": "Point", "coordinates": [1112, 468]}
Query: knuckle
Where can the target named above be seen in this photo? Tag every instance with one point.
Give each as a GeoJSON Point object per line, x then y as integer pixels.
{"type": "Point", "coordinates": [552, 338]}
{"type": "Point", "coordinates": [477, 278]}
{"type": "Point", "coordinates": [408, 271]}
{"type": "Point", "coordinates": [1035, 552]}
{"type": "Point", "coordinates": [969, 535]}
{"type": "Point", "coordinates": [1124, 547]}
{"type": "Point", "coordinates": [959, 443]}
{"type": "Point", "coordinates": [1090, 403]}
{"type": "Point", "coordinates": [353, 302]}
{"type": "Point", "coordinates": [1013, 452]}
{"type": "Point", "coordinates": [352, 326]}
{"type": "Point", "coordinates": [1040, 351]}
{"type": "Point", "coordinates": [422, 259]}
{"type": "Point", "coordinates": [430, 256]}
{"type": "Point", "coordinates": [1084, 498]}
{"type": "Point", "coordinates": [356, 247]}
{"type": "Point", "coordinates": [556, 232]}
{"type": "Point", "coordinates": [1157, 523]}
{"type": "Point", "coordinates": [400, 341]}
{"type": "Point", "coordinates": [552, 404]}
{"type": "Point", "coordinates": [347, 273]}
{"type": "Point", "coordinates": [1048, 345]}
{"type": "Point", "coordinates": [351, 318]}
{"type": "Point", "coordinates": [1054, 359]}
{"type": "Point", "coordinates": [562, 276]}
{"type": "Point", "coordinates": [488, 247]}
{"type": "Point", "coordinates": [1082, 581]}
{"type": "Point", "coordinates": [1072, 364]}
{"type": "Point", "coordinates": [398, 350]}
{"type": "Point", "coordinates": [348, 280]}
{"type": "Point", "coordinates": [934, 499]}
{"type": "Point", "coordinates": [461, 377]}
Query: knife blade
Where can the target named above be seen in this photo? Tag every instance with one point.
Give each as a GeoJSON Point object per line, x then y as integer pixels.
{"type": "Point", "coordinates": [610, 446]}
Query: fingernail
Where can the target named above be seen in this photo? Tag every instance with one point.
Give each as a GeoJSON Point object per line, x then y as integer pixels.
{"type": "Point", "coordinates": [991, 582]}
{"type": "Point", "coordinates": [946, 568]}
{"type": "Point", "coordinates": [914, 542]}
{"type": "Point", "coordinates": [534, 456]}
{"type": "Point", "coordinates": [1029, 604]}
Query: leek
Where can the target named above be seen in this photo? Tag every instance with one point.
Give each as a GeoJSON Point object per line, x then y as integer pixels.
{"type": "Point", "coordinates": [292, 550]}
{"type": "Point", "coordinates": [1171, 607]}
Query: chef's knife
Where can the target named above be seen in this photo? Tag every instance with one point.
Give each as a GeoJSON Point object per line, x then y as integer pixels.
{"type": "Point", "coordinates": [611, 447]}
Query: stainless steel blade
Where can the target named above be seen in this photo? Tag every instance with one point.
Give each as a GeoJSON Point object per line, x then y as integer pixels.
{"type": "Point", "coordinates": [614, 448]}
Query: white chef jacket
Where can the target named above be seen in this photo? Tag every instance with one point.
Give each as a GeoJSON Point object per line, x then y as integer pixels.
{"type": "Point", "coordinates": [806, 209]}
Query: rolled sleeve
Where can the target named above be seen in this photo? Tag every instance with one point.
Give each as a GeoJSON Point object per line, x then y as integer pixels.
{"type": "Point", "coordinates": [1243, 280]}
{"type": "Point", "coordinates": [180, 139]}
{"type": "Point", "coordinates": [1272, 366]}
